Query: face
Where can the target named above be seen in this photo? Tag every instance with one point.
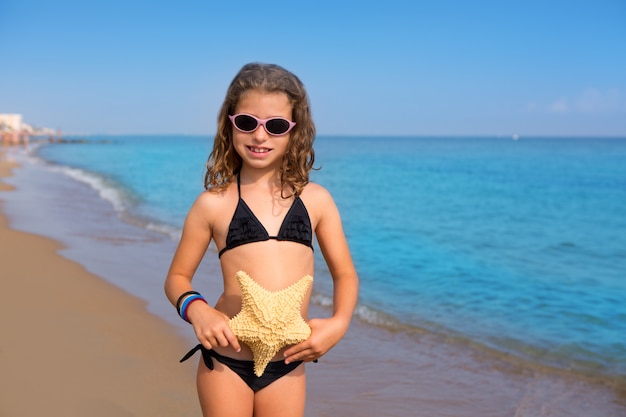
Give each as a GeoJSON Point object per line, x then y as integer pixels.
{"type": "Point", "coordinates": [258, 149]}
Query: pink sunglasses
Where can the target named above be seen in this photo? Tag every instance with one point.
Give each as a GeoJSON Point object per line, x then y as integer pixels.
{"type": "Point", "coordinates": [274, 126]}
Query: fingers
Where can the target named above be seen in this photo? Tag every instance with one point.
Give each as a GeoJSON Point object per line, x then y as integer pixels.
{"type": "Point", "coordinates": [324, 335]}
{"type": "Point", "coordinates": [225, 337]}
{"type": "Point", "coordinates": [302, 352]}
{"type": "Point", "coordinates": [212, 330]}
{"type": "Point", "coordinates": [293, 353]}
{"type": "Point", "coordinates": [232, 341]}
{"type": "Point", "coordinates": [211, 339]}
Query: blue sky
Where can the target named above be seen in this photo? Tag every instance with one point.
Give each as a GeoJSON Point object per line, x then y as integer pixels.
{"type": "Point", "coordinates": [377, 68]}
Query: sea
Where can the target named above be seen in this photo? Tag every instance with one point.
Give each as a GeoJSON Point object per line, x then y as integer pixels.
{"type": "Point", "coordinates": [513, 249]}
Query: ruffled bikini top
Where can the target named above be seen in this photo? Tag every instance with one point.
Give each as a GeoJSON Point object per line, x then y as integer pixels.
{"type": "Point", "coordinates": [245, 227]}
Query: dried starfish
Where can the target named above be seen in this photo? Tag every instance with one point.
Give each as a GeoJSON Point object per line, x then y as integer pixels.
{"type": "Point", "coordinates": [270, 320]}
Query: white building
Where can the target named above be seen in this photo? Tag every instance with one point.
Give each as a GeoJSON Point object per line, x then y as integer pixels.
{"type": "Point", "coordinates": [10, 122]}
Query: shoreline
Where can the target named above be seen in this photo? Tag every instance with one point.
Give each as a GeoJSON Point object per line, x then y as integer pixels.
{"type": "Point", "coordinates": [372, 372]}
{"type": "Point", "coordinates": [74, 344]}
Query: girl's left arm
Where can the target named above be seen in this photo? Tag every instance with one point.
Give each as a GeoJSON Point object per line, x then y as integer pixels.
{"type": "Point", "coordinates": [326, 333]}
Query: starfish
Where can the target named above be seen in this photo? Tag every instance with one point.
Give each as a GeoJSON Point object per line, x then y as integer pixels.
{"type": "Point", "coordinates": [270, 320]}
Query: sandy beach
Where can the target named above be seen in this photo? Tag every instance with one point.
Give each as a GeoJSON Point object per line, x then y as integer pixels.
{"type": "Point", "coordinates": [74, 345]}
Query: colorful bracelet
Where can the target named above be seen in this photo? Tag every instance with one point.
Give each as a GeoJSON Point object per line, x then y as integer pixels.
{"type": "Point", "coordinates": [185, 305]}
{"type": "Point", "coordinates": [182, 296]}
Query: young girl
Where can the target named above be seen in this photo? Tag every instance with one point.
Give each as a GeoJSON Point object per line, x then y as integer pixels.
{"type": "Point", "coordinates": [262, 212]}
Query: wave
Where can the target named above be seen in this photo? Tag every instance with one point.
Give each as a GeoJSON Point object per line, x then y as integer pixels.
{"type": "Point", "coordinates": [105, 189]}
{"type": "Point", "coordinates": [513, 351]}
{"type": "Point", "coordinates": [172, 232]}
{"type": "Point", "coordinates": [120, 199]}
{"type": "Point", "coordinates": [364, 313]}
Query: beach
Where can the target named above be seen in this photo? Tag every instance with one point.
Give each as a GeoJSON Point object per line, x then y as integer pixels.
{"type": "Point", "coordinates": [74, 345]}
{"type": "Point", "coordinates": [77, 343]}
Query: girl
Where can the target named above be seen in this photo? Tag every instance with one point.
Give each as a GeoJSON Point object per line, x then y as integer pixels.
{"type": "Point", "coordinates": [261, 211]}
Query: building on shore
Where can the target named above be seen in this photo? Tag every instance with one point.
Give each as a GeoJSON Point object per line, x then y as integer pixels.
{"type": "Point", "coordinates": [14, 130]}
{"type": "Point", "coordinates": [12, 122]}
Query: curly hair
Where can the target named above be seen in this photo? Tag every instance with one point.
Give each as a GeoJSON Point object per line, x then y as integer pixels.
{"type": "Point", "coordinates": [224, 163]}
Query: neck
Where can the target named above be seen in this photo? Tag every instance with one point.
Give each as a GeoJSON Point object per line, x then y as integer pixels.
{"type": "Point", "coordinates": [265, 178]}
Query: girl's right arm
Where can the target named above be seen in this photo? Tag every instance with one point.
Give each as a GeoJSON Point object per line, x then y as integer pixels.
{"type": "Point", "coordinates": [210, 325]}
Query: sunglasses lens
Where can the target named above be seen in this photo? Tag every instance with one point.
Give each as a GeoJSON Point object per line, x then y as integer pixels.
{"type": "Point", "coordinates": [277, 126]}
{"type": "Point", "coordinates": [245, 123]}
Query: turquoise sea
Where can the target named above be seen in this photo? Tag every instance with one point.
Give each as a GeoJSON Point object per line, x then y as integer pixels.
{"type": "Point", "coordinates": [520, 245]}
{"type": "Point", "coordinates": [514, 246]}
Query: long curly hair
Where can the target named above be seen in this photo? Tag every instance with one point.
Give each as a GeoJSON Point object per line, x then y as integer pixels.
{"type": "Point", "coordinates": [224, 163]}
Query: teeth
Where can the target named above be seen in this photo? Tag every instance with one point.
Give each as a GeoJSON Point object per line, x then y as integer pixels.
{"type": "Point", "coordinates": [259, 150]}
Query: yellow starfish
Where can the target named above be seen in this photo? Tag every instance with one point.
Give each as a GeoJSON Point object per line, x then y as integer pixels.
{"type": "Point", "coordinates": [270, 320]}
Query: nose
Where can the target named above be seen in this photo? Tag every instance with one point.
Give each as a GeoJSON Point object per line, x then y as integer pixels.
{"type": "Point", "coordinates": [260, 134]}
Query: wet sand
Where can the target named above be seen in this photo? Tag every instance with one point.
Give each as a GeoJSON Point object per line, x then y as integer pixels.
{"type": "Point", "coordinates": [74, 345]}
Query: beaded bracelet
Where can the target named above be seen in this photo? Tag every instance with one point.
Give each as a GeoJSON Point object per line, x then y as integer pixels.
{"type": "Point", "coordinates": [185, 305]}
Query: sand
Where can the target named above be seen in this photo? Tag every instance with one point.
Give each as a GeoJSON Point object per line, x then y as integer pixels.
{"type": "Point", "coordinates": [74, 345]}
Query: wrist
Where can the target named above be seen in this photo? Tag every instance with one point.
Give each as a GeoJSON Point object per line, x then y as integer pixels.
{"type": "Point", "coordinates": [185, 301]}
{"type": "Point", "coordinates": [341, 323]}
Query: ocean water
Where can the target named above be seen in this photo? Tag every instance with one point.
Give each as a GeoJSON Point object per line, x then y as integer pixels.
{"type": "Point", "coordinates": [515, 246]}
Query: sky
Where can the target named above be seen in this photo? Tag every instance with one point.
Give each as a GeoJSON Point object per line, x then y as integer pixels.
{"type": "Point", "coordinates": [437, 67]}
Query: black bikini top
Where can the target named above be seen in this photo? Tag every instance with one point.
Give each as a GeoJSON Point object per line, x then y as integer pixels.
{"type": "Point", "coordinates": [246, 228]}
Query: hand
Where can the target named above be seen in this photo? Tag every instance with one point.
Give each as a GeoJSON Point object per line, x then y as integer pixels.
{"type": "Point", "coordinates": [325, 334]}
{"type": "Point", "coordinates": [211, 326]}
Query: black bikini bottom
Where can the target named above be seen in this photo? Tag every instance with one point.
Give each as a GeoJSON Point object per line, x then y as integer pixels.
{"type": "Point", "coordinates": [245, 369]}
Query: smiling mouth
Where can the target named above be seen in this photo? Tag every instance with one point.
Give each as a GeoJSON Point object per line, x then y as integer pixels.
{"type": "Point", "coordinates": [258, 150]}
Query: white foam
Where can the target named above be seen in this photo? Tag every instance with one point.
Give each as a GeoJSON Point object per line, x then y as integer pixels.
{"type": "Point", "coordinates": [107, 192]}
{"type": "Point", "coordinates": [364, 313]}
{"type": "Point", "coordinates": [172, 232]}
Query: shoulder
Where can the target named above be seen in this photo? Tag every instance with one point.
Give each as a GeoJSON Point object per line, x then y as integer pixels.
{"type": "Point", "coordinates": [318, 201]}
{"type": "Point", "coordinates": [209, 198]}
{"type": "Point", "coordinates": [314, 194]}
{"type": "Point", "coordinates": [213, 200]}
